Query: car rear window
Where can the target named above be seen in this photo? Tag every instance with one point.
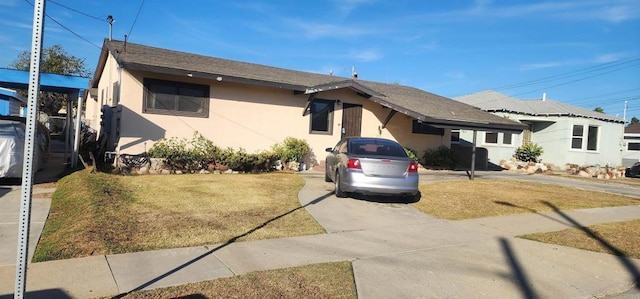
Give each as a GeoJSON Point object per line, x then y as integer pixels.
{"type": "Point", "coordinates": [376, 148]}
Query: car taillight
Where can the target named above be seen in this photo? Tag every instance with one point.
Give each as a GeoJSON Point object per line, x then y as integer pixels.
{"type": "Point", "coordinates": [354, 164]}
{"type": "Point", "coordinates": [413, 167]}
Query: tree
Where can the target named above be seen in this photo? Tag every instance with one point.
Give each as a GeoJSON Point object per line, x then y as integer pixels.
{"type": "Point", "coordinates": [57, 61]}
{"type": "Point", "coordinates": [598, 109]}
{"type": "Point", "coordinates": [634, 120]}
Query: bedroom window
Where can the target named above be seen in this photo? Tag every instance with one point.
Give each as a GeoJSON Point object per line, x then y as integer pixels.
{"type": "Point", "coordinates": [321, 117]}
{"type": "Point", "coordinates": [491, 137]}
{"type": "Point", "coordinates": [176, 98]}
{"type": "Point", "coordinates": [497, 138]}
{"type": "Point", "coordinates": [592, 138]}
{"type": "Point", "coordinates": [576, 139]}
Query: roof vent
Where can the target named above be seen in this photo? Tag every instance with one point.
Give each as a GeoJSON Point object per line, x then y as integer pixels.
{"type": "Point", "coordinates": [354, 75]}
{"type": "Point", "coordinates": [544, 96]}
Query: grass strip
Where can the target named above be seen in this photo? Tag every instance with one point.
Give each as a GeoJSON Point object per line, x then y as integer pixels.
{"type": "Point", "coordinates": [618, 238]}
{"type": "Point", "coordinates": [458, 200]}
{"type": "Point", "coordinates": [327, 280]}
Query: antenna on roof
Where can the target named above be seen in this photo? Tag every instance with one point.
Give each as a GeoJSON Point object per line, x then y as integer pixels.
{"type": "Point", "coordinates": [125, 44]}
{"type": "Point", "coordinates": [354, 75]}
{"type": "Point", "coordinates": [330, 72]}
{"type": "Point", "coordinates": [110, 20]}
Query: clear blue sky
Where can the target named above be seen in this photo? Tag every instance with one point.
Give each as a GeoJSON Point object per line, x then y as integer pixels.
{"type": "Point", "coordinates": [581, 52]}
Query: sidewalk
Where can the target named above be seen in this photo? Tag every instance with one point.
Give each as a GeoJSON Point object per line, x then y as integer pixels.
{"type": "Point", "coordinates": [396, 252]}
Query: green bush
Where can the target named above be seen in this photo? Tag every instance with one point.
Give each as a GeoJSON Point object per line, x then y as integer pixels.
{"type": "Point", "coordinates": [441, 157]}
{"type": "Point", "coordinates": [528, 153]}
{"type": "Point", "coordinates": [291, 149]}
{"type": "Point", "coordinates": [412, 154]}
{"type": "Point", "coordinates": [200, 152]}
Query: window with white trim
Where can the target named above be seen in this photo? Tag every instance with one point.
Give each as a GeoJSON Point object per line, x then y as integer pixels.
{"type": "Point", "coordinates": [498, 138]}
{"type": "Point", "coordinates": [491, 137]}
{"type": "Point", "coordinates": [585, 137]}
{"type": "Point", "coordinates": [592, 138]}
{"type": "Point", "coordinates": [576, 138]}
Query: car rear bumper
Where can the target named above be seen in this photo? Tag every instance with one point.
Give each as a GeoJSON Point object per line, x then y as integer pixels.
{"type": "Point", "coordinates": [357, 182]}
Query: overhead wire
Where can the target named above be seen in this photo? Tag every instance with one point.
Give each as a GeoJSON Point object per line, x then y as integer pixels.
{"type": "Point", "coordinates": [136, 19]}
{"type": "Point", "coordinates": [66, 28]}
{"type": "Point", "coordinates": [80, 12]}
{"type": "Point", "coordinates": [570, 73]}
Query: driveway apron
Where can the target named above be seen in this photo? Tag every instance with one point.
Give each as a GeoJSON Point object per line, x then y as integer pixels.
{"type": "Point", "coordinates": [436, 258]}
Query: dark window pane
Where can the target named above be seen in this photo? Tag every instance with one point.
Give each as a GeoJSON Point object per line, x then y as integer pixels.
{"type": "Point", "coordinates": [507, 138]}
{"type": "Point", "coordinates": [577, 131]}
{"type": "Point", "coordinates": [176, 96]}
{"type": "Point", "coordinates": [592, 141]}
{"type": "Point", "coordinates": [491, 138]}
{"type": "Point", "coordinates": [455, 136]}
{"type": "Point", "coordinates": [576, 143]}
{"type": "Point", "coordinates": [321, 112]}
{"type": "Point", "coordinates": [632, 146]}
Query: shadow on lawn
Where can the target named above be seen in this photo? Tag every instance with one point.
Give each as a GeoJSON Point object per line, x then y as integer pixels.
{"type": "Point", "coordinates": [626, 262]}
{"type": "Point", "coordinates": [229, 242]}
{"type": "Point", "coordinates": [505, 203]}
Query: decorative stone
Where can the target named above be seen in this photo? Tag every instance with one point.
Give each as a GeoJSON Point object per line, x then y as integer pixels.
{"type": "Point", "coordinates": [583, 173]}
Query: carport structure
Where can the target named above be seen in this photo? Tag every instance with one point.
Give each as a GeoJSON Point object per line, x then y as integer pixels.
{"type": "Point", "coordinates": [73, 86]}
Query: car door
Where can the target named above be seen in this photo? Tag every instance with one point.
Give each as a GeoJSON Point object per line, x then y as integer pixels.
{"type": "Point", "coordinates": [333, 160]}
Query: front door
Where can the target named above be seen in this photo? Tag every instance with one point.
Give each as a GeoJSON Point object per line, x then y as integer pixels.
{"type": "Point", "coordinates": [351, 120]}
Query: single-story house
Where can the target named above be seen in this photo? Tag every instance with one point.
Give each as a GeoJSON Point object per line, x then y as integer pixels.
{"type": "Point", "coordinates": [631, 146]}
{"type": "Point", "coordinates": [156, 93]}
{"type": "Point", "coordinates": [567, 134]}
{"type": "Point", "coordinates": [11, 103]}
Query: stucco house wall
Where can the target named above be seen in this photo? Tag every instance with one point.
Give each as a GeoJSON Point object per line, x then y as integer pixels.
{"type": "Point", "coordinates": [241, 116]}
{"type": "Point", "coordinates": [253, 106]}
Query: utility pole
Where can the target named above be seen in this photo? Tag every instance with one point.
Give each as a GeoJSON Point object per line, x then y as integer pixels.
{"type": "Point", "coordinates": [624, 112]}
{"type": "Point", "coordinates": [110, 20]}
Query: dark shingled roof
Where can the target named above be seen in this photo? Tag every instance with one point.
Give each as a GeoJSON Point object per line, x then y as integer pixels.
{"type": "Point", "coordinates": [427, 107]}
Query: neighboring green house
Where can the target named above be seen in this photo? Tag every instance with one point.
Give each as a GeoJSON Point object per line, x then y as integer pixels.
{"type": "Point", "coordinates": [567, 134]}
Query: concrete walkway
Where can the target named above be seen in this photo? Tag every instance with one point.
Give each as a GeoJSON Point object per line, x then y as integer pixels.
{"type": "Point", "coordinates": [397, 252]}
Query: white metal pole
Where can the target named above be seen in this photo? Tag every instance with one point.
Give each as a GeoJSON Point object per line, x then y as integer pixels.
{"type": "Point", "coordinates": [76, 137]}
{"type": "Point", "coordinates": [30, 138]}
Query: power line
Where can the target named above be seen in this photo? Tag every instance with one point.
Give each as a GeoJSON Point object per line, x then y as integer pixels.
{"type": "Point", "coordinates": [571, 73]}
{"type": "Point", "coordinates": [80, 12]}
{"type": "Point", "coordinates": [580, 79]}
{"type": "Point", "coordinates": [136, 19]}
{"type": "Point", "coordinates": [66, 28]}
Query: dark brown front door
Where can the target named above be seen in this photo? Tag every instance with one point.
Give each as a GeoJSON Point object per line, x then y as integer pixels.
{"type": "Point", "coordinates": [351, 120]}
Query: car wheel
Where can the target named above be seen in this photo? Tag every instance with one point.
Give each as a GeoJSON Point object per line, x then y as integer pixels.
{"type": "Point", "coordinates": [326, 173]}
{"type": "Point", "coordinates": [338, 191]}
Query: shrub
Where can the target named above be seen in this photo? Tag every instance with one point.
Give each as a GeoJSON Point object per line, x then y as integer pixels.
{"type": "Point", "coordinates": [291, 149]}
{"type": "Point", "coordinates": [412, 154]}
{"type": "Point", "coordinates": [441, 157]}
{"type": "Point", "coordinates": [528, 153]}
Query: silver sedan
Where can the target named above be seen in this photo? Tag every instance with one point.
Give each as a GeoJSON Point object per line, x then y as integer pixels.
{"type": "Point", "coordinates": [371, 166]}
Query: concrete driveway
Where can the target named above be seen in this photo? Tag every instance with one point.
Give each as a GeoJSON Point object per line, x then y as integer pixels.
{"type": "Point", "coordinates": [419, 256]}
